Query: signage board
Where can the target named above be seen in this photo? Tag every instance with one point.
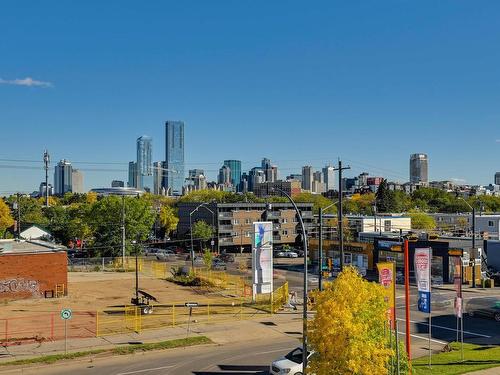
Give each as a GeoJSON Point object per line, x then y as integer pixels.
{"type": "Point", "coordinates": [387, 277]}
{"type": "Point", "coordinates": [191, 304]}
{"type": "Point", "coordinates": [262, 257]}
{"type": "Point", "coordinates": [66, 314]}
{"type": "Point", "coordinates": [422, 264]}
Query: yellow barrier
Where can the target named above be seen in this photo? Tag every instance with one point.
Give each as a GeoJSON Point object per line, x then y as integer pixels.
{"type": "Point", "coordinates": [128, 265]}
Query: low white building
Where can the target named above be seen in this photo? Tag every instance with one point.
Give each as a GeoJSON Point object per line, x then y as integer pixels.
{"type": "Point", "coordinates": [35, 233]}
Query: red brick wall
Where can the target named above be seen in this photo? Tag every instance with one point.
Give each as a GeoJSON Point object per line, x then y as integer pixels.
{"type": "Point", "coordinates": [30, 275]}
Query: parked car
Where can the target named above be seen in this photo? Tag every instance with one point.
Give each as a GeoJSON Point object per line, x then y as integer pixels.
{"type": "Point", "coordinates": [280, 254]}
{"type": "Point", "coordinates": [165, 255]}
{"type": "Point", "coordinates": [488, 307]}
{"type": "Point", "coordinates": [150, 251]}
{"type": "Point", "coordinates": [291, 254]}
{"type": "Point", "coordinates": [228, 258]}
{"type": "Point", "coordinates": [290, 364]}
{"type": "Point", "coordinates": [219, 265]}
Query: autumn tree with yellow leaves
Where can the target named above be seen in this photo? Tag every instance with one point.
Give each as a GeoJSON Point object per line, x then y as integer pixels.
{"type": "Point", "coordinates": [6, 220]}
{"type": "Point", "coordinates": [349, 331]}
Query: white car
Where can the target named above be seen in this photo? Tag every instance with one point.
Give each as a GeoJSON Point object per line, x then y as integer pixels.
{"type": "Point", "coordinates": [290, 364]}
{"type": "Point", "coordinates": [291, 254]}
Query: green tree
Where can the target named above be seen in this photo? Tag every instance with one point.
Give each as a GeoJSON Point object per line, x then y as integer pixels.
{"type": "Point", "coordinates": [6, 220]}
{"type": "Point", "coordinates": [348, 330]}
{"type": "Point", "coordinates": [317, 200]}
{"type": "Point", "coordinates": [386, 201]}
{"type": "Point", "coordinates": [420, 220]}
{"type": "Point", "coordinates": [208, 258]}
{"type": "Point", "coordinates": [202, 231]}
{"type": "Point", "coordinates": [105, 221]}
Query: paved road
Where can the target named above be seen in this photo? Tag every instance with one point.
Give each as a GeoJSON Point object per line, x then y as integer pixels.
{"type": "Point", "coordinates": [250, 358]}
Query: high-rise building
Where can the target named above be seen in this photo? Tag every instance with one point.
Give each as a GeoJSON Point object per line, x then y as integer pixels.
{"type": "Point", "coordinates": [307, 177]}
{"type": "Point", "coordinates": [77, 181]}
{"type": "Point", "coordinates": [132, 174]}
{"type": "Point", "coordinates": [497, 178]}
{"type": "Point", "coordinates": [63, 179]}
{"type": "Point", "coordinates": [117, 183]}
{"type": "Point", "coordinates": [235, 167]}
{"type": "Point", "coordinates": [42, 190]}
{"type": "Point", "coordinates": [225, 176]}
{"type": "Point", "coordinates": [157, 178]}
{"type": "Point", "coordinates": [255, 175]}
{"type": "Point", "coordinates": [270, 171]}
{"type": "Point", "coordinates": [419, 165]}
{"type": "Point", "coordinates": [196, 180]}
{"type": "Point", "coordinates": [144, 167]}
{"type": "Point", "coordinates": [174, 157]}
{"type": "Point", "coordinates": [294, 176]}
{"type": "Point", "coordinates": [318, 176]}
{"type": "Point", "coordinates": [329, 178]}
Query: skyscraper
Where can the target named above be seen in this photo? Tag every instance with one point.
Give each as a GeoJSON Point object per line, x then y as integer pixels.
{"type": "Point", "coordinates": [174, 157]}
{"type": "Point", "coordinates": [225, 176]}
{"type": "Point", "coordinates": [235, 167]}
{"type": "Point", "coordinates": [157, 177]}
{"type": "Point", "coordinates": [419, 169]}
{"type": "Point", "coordinates": [77, 181]}
{"type": "Point", "coordinates": [497, 178]}
{"type": "Point", "coordinates": [132, 174]}
{"type": "Point", "coordinates": [270, 171]}
{"type": "Point", "coordinates": [144, 167]}
{"type": "Point", "coordinates": [307, 177]}
{"type": "Point", "coordinates": [329, 177]}
{"type": "Point", "coordinates": [63, 177]}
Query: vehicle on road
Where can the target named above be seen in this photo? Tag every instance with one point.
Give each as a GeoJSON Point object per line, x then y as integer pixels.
{"type": "Point", "coordinates": [165, 255]}
{"type": "Point", "coordinates": [291, 254]}
{"type": "Point", "coordinates": [219, 265]}
{"type": "Point", "coordinates": [488, 307]}
{"type": "Point", "coordinates": [150, 251]}
{"type": "Point", "coordinates": [228, 258]}
{"type": "Point", "coordinates": [290, 364]}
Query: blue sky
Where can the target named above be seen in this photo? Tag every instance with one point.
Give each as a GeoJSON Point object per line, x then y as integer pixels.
{"type": "Point", "coordinates": [298, 82]}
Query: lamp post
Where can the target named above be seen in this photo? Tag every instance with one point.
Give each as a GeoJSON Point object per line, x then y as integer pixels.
{"type": "Point", "coordinates": [473, 242]}
{"type": "Point", "coordinates": [191, 228]}
{"type": "Point", "coordinates": [320, 245]}
{"type": "Point", "coordinates": [304, 313]}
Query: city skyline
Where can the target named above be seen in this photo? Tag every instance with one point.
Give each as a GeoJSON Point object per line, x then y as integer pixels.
{"type": "Point", "coordinates": [392, 82]}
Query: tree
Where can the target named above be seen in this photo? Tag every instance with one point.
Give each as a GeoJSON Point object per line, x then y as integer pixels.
{"type": "Point", "coordinates": [208, 258]}
{"type": "Point", "coordinates": [317, 200]}
{"type": "Point", "coordinates": [6, 220]}
{"type": "Point", "coordinates": [420, 220]}
{"type": "Point", "coordinates": [348, 331]}
{"type": "Point", "coordinates": [202, 231]}
{"type": "Point", "coordinates": [168, 219]}
{"type": "Point", "coordinates": [386, 201]}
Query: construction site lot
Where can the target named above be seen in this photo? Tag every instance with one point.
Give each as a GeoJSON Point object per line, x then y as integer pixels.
{"type": "Point", "coordinates": [101, 305]}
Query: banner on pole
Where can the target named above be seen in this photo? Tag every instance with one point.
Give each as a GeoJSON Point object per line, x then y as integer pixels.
{"type": "Point", "coordinates": [387, 277]}
{"type": "Point", "coordinates": [262, 257]}
{"type": "Point", "coordinates": [423, 274]}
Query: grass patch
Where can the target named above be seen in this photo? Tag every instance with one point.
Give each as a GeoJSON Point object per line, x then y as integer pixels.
{"type": "Point", "coordinates": [476, 357]}
{"type": "Point", "coordinates": [120, 350]}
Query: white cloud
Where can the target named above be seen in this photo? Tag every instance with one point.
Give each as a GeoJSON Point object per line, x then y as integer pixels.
{"type": "Point", "coordinates": [28, 81]}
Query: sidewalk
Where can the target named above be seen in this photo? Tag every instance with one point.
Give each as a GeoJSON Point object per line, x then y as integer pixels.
{"type": "Point", "coordinates": [268, 326]}
{"type": "Point", "coordinates": [490, 371]}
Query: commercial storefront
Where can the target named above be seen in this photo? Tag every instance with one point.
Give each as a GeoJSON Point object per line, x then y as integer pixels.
{"type": "Point", "coordinates": [391, 250]}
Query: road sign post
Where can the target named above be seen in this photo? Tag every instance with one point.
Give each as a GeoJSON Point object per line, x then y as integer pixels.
{"type": "Point", "coordinates": [66, 315]}
{"type": "Point", "coordinates": [190, 305]}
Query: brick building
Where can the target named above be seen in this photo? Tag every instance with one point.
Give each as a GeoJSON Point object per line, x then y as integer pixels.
{"type": "Point", "coordinates": [31, 270]}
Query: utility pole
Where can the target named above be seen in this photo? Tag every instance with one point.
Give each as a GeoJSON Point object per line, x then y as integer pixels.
{"type": "Point", "coordinates": [123, 231]}
{"type": "Point", "coordinates": [340, 215]}
{"type": "Point", "coordinates": [474, 251]}
{"type": "Point", "coordinates": [18, 217]}
{"type": "Point", "coordinates": [46, 161]}
{"type": "Point", "coordinates": [320, 251]}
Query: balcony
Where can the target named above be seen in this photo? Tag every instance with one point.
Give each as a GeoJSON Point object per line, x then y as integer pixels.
{"type": "Point", "coordinates": [226, 241]}
{"type": "Point", "coordinates": [225, 215]}
{"type": "Point", "coordinates": [226, 228]}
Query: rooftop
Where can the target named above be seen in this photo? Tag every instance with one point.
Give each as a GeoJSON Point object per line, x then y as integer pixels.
{"type": "Point", "coordinates": [27, 247]}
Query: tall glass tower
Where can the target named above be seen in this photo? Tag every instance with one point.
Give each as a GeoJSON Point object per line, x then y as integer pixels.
{"type": "Point", "coordinates": [63, 177]}
{"type": "Point", "coordinates": [174, 157]}
{"type": "Point", "coordinates": [144, 163]}
{"type": "Point", "coordinates": [235, 167]}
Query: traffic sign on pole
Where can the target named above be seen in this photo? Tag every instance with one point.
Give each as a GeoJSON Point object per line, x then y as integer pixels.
{"type": "Point", "coordinates": [66, 314]}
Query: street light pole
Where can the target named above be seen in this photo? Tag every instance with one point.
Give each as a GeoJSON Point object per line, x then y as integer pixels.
{"type": "Point", "coordinates": [304, 312]}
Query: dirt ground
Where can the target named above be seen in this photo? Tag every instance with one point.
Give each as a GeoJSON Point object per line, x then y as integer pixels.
{"type": "Point", "coordinates": [94, 291]}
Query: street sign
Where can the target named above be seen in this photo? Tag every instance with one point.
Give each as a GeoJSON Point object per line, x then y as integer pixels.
{"type": "Point", "coordinates": [191, 304]}
{"type": "Point", "coordinates": [66, 314]}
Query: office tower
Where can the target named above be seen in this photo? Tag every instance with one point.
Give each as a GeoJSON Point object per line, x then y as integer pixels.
{"type": "Point", "coordinates": [307, 177]}
{"type": "Point", "coordinates": [255, 175]}
{"type": "Point", "coordinates": [157, 177]}
{"type": "Point", "coordinates": [132, 174]}
{"type": "Point", "coordinates": [244, 183]}
{"type": "Point", "coordinates": [419, 165]}
{"type": "Point", "coordinates": [235, 167]}
{"type": "Point", "coordinates": [224, 176]}
{"type": "Point", "coordinates": [77, 181]}
{"type": "Point", "coordinates": [174, 157]}
{"type": "Point", "coordinates": [363, 179]}
{"type": "Point", "coordinates": [63, 179]}
{"type": "Point", "coordinates": [329, 178]}
{"type": "Point", "coordinates": [117, 183]}
{"type": "Point", "coordinates": [196, 180]}
{"type": "Point", "coordinates": [42, 190]}
{"type": "Point", "coordinates": [270, 171]}
{"type": "Point", "coordinates": [144, 167]}
{"type": "Point", "coordinates": [318, 176]}
{"type": "Point", "coordinates": [497, 178]}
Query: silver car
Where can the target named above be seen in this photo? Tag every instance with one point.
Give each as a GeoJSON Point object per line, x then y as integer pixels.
{"type": "Point", "coordinates": [487, 307]}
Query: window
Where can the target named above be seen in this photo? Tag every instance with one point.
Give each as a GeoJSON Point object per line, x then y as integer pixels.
{"type": "Point", "coordinates": [248, 221]}
{"type": "Point", "coordinates": [236, 221]}
{"type": "Point", "coordinates": [387, 225]}
{"type": "Point", "coordinates": [284, 232]}
{"type": "Point", "coordinates": [284, 221]}
{"type": "Point", "coordinates": [491, 223]}
{"type": "Point", "coordinates": [247, 234]}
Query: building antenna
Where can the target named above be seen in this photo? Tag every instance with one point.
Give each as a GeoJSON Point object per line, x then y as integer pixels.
{"type": "Point", "coordinates": [46, 161]}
